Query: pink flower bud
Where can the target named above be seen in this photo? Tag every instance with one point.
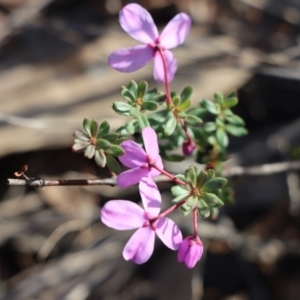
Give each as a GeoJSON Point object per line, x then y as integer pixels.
{"type": "Point", "coordinates": [188, 147]}
{"type": "Point", "coordinates": [190, 251]}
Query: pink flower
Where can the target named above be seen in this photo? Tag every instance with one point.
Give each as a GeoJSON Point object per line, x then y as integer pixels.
{"type": "Point", "coordinates": [138, 159]}
{"type": "Point", "coordinates": [138, 23]}
{"type": "Point", "coordinates": [190, 251]}
{"type": "Point", "coordinates": [124, 215]}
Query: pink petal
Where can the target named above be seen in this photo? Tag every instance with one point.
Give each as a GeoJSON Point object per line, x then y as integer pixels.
{"type": "Point", "coordinates": [176, 31]}
{"type": "Point", "coordinates": [122, 215]}
{"type": "Point", "coordinates": [131, 176]}
{"type": "Point", "coordinates": [193, 255]}
{"type": "Point", "coordinates": [130, 59]}
{"type": "Point", "coordinates": [138, 23]}
{"type": "Point", "coordinates": [171, 64]}
{"type": "Point", "coordinates": [135, 155]}
{"type": "Point", "coordinates": [169, 233]}
{"type": "Point", "coordinates": [150, 196]}
{"type": "Point", "coordinates": [140, 246]}
{"type": "Point", "coordinates": [183, 249]}
{"type": "Point", "coordinates": [150, 142]}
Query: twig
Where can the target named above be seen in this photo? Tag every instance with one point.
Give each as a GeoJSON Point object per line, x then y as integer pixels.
{"type": "Point", "coordinates": [265, 169]}
{"type": "Point", "coordinates": [61, 182]}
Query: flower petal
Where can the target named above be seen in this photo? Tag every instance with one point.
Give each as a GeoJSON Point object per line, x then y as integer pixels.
{"type": "Point", "coordinates": [131, 176]}
{"type": "Point", "coordinates": [171, 64]}
{"type": "Point", "coordinates": [140, 246]}
{"type": "Point", "coordinates": [138, 23]}
{"type": "Point", "coordinates": [150, 196]}
{"type": "Point", "coordinates": [135, 155]}
{"type": "Point", "coordinates": [169, 233]}
{"type": "Point", "coordinates": [183, 249]}
{"type": "Point", "coordinates": [193, 256]}
{"type": "Point", "coordinates": [176, 31]}
{"type": "Point", "coordinates": [150, 142]}
{"type": "Point", "coordinates": [122, 215]}
{"type": "Point", "coordinates": [130, 59]}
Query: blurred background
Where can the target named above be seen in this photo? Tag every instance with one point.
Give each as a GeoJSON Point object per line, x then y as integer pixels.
{"type": "Point", "coordinates": [54, 72]}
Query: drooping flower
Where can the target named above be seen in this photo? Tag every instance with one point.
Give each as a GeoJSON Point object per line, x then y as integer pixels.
{"type": "Point", "coordinates": [139, 160]}
{"type": "Point", "coordinates": [188, 147]}
{"type": "Point", "coordinates": [138, 23]}
{"type": "Point", "coordinates": [124, 215]}
{"type": "Point", "coordinates": [190, 251]}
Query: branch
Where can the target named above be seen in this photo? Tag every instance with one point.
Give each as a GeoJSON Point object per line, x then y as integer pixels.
{"type": "Point", "coordinates": [61, 182]}
{"type": "Point", "coordinates": [266, 169]}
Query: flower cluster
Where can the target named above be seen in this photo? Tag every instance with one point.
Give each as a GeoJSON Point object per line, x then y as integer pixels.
{"type": "Point", "coordinates": [195, 192]}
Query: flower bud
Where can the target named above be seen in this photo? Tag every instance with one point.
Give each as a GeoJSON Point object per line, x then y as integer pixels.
{"type": "Point", "coordinates": [190, 251]}
{"type": "Point", "coordinates": [188, 147]}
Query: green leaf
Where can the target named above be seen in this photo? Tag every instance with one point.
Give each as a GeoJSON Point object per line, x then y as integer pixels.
{"type": "Point", "coordinates": [93, 128]}
{"type": "Point", "coordinates": [182, 115]}
{"type": "Point", "coordinates": [103, 129]}
{"type": "Point", "coordinates": [186, 94]}
{"type": "Point", "coordinates": [203, 209]}
{"type": "Point", "coordinates": [113, 164]}
{"type": "Point", "coordinates": [143, 121]}
{"type": "Point", "coordinates": [211, 174]}
{"type": "Point", "coordinates": [100, 158]}
{"type": "Point", "coordinates": [230, 102]}
{"type": "Point", "coordinates": [235, 120]}
{"type": "Point", "coordinates": [181, 177]}
{"type": "Point", "coordinates": [115, 150]}
{"type": "Point", "coordinates": [236, 131]}
{"type": "Point", "coordinates": [210, 106]}
{"type": "Point", "coordinates": [222, 138]}
{"type": "Point", "coordinates": [89, 151]}
{"type": "Point", "coordinates": [219, 98]}
{"type": "Point", "coordinates": [209, 126]}
{"type": "Point", "coordinates": [86, 125]}
{"type": "Point", "coordinates": [149, 105]}
{"type": "Point", "coordinates": [131, 126]}
{"type": "Point", "coordinates": [102, 144]}
{"type": "Point", "coordinates": [170, 126]}
{"type": "Point", "coordinates": [192, 201]}
{"type": "Point", "coordinates": [192, 120]}
{"type": "Point", "coordinates": [179, 198]}
{"type": "Point", "coordinates": [111, 137]}
{"type": "Point", "coordinates": [125, 94]}
{"type": "Point", "coordinates": [212, 200]}
{"type": "Point", "coordinates": [191, 175]}
{"type": "Point", "coordinates": [186, 209]}
{"type": "Point", "coordinates": [176, 100]}
{"type": "Point", "coordinates": [132, 87]}
{"type": "Point", "coordinates": [201, 179]}
{"type": "Point", "coordinates": [214, 184]}
{"type": "Point", "coordinates": [121, 108]}
{"type": "Point", "coordinates": [119, 140]}
{"type": "Point", "coordinates": [184, 105]}
{"type": "Point", "coordinates": [178, 190]}
{"type": "Point", "coordinates": [142, 89]}
{"type": "Point", "coordinates": [134, 111]}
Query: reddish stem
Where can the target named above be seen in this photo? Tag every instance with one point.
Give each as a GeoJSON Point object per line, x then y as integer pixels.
{"type": "Point", "coordinates": [168, 94]}
{"type": "Point", "coordinates": [169, 210]}
{"type": "Point", "coordinates": [171, 176]}
{"type": "Point", "coordinates": [195, 223]}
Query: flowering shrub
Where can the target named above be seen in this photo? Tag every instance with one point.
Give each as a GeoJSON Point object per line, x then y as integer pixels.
{"type": "Point", "coordinates": [163, 122]}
